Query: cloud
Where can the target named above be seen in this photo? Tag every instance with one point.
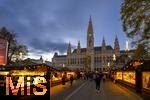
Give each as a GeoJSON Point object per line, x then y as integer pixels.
{"type": "Point", "coordinates": [47, 25]}
{"type": "Point", "coordinates": [48, 46]}
{"type": "Point", "coordinates": [42, 19]}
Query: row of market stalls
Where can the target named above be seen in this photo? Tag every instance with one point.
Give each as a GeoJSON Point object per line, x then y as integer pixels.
{"type": "Point", "coordinates": [53, 74]}
{"type": "Point", "coordinates": [135, 74]}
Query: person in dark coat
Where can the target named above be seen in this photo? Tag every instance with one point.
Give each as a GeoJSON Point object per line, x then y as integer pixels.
{"type": "Point", "coordinates": [71, 80]}
{"type": "Point", "coordinates": [64, 79]}
{"type": "Point", "coordinates": [98, 81]}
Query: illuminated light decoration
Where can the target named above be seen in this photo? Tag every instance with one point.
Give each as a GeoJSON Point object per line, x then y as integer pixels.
{"type": "Point", "coordinates": [3, 51]}
{"type": "Point", "coordinates": [146, 80]}
{"type": "Point", "coordinates": [26, 72]}
{"type": "Point", "coordinates": [4, 73]}
{"type": "Point", "coordinates": [28, 86]}
{"type": "Point", "coordinates": [114, 57]}
{"type": "Point", "coordinates": [36, 82]}
{"type": "Point", "coordinates": [127, 46]}
{"type": "Point", "coordinates": [119, 75]}
{"type": "Point", "coordinates": [20, 86]}
{"type": "Point", "coordinates": [20, 55]}
{"type": "Point", "coordinates": [13, 88]}
{"type": "Point", "coordinates": [137, 63]}
{"type": "Point", "coordinates": [59, 76]}
{"type": "Point", "coordinates": [108, 64]}
{"type": "Point", "coordinates": [63, 65]}
{"type": "Point", "coordinates": [129, 77]}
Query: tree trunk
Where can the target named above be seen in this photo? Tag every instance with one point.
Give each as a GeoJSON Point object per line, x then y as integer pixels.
{"type": "Point", "coordinates": [8, 62]}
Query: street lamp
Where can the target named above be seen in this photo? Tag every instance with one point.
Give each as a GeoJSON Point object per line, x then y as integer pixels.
{"type": "Point", "coordinates": [20, 55]}
{"type": "Point", "coordinates": [114, 57]}
{"type": "Point", "coordinates": [108, 64]}
{"type": "Point", "coordinates": [63, 65]}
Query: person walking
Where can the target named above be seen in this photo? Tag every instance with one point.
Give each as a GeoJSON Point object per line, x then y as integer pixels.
{"type": "Point", "coordinates": [71, 80]}
{"type": "Point", "coordinates": [104, 77]}
{"type": "Point", "coordinates": [64, 79]}
{"type": "Point", "coordinates": [98, 80]}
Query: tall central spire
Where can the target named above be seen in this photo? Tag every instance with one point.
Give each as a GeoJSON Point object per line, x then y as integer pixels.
{"type": "Point", "coordinates": [90, 46]}
{"type": "Point", "coordinates": [90, 26]}
{"type": "Point", "coordinates": [90, 36]}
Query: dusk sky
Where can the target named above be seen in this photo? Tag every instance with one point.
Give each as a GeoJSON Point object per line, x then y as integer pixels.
{"type": "Point", "coordinates": [46, 26]}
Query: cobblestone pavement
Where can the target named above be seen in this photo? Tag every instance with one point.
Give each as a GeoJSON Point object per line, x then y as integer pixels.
{"type": "Point", "coordinates": [85, 90]}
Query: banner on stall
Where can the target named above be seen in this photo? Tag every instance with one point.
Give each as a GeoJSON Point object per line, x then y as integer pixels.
{"type": "Point", "coordinates": [3, 51]}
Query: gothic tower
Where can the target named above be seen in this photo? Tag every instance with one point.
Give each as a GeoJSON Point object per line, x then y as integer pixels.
{"type": "Point", "coordinates": [78, 54]}
{"type": "Point", "coordinates": [78, 48]}
{"type": "Point", "coordinates": [103, 51]}
{"type": "Point", "coordinates": [116, 47]}
{"type": "Point", "coordinates": [90, 46]}
{"type": "Point", "coordinates": [90, 36]}
{"type": "Point", "coordinates": [69, 49]}
{"type": "Point", "coordinates": [103, 44]}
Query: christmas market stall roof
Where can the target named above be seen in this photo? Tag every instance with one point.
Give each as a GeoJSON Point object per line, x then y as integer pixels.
{"type": "Point", "coordinates": [41, 67]}
{"type": "Point", "coordinates": [140, 64]}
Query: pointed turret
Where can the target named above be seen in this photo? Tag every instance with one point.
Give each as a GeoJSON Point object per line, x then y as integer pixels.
{"type": "Point", "coordinates": [103, 43]}
{"type": "Point", "coordinates": [116, 47]}
{"type": "Point", "coordinates": [56, 54]}
{"type": "Point", "coordinates": [69, 49]}
{"type": "Point", "coordinates": [78, 48]}
{"type": "Point", "coordinates": [90, 26]}
{"type": "Point", "coordinates": [41, 58]}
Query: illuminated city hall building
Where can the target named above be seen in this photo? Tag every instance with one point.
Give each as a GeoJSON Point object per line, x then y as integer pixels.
{"type": "Point", "coordinates": [92, 57]}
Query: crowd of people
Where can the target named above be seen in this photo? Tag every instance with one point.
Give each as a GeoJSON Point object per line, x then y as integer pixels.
{"type": "Point", "coordinates": [93, 76]}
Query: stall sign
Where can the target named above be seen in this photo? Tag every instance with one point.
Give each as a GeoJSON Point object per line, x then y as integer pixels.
{"type": "Point", "coordinates": [146, 80]}
{"type": "Point", "coordinates": [119, 75]}
{"type": "Point", "coordinates": [129, 77]}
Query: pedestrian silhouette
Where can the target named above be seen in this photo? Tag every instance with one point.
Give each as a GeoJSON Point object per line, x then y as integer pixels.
{"type": "Point", "coordinates": [71, 80]}
{"type": "Point", "coordinates": [64, 79]}
{"type": "Point", "coordinates": [98, 81]}
{"type": "Point", "coordinates": [104, 77]}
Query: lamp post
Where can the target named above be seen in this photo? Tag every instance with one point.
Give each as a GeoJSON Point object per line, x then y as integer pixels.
{"type": "Point", "coordinates": [20, 56]}
{"type": "Point", "coordinates": [63, 65]}
{"type": "Point", "coordinates": [114, 59]}
{"type": "Point", "coordinates": [108, 65]}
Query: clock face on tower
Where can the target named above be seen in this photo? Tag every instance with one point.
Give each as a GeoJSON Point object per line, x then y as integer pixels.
{"type": "Point", "coordinates": [90, 34]}
{"type": "Point", "coordinates": [90, 42]}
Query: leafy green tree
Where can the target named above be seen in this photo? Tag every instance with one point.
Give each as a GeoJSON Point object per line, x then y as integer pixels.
{"type": "Point", "coordinates": [135, 15]}
{"type": "Point", "coordinates": [122, 59]}
{"type": "Point", "coordinates": [64, 69]}
{"type": "Point", "coordinates": [139, 52]}
{"type": "Point", "coordinates": [14, 48]}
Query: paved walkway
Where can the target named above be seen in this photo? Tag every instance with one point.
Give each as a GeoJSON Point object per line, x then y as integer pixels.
{"type": "Point", "coordinates": [60, 92]}
{"type": "Point", "coordinates": [86, 91]}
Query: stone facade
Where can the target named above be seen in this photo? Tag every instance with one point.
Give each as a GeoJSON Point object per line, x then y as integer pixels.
{"type": "Point", "coordinates": [89, 58]}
